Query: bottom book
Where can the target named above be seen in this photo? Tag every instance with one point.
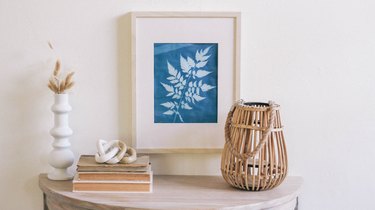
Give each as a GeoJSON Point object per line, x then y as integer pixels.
{"type": "Point", "coordinates": [115, 186]}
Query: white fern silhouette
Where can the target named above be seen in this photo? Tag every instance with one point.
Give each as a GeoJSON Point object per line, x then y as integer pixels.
{"type": "Point", "coordinates": [186, 85]}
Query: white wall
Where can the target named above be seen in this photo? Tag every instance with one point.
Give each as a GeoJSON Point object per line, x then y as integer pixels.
{"type": "Point", "coordinates": [314, 57]}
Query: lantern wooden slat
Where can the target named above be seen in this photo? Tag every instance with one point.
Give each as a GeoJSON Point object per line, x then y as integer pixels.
{"type": "Point", "coordinates": [254, 156]}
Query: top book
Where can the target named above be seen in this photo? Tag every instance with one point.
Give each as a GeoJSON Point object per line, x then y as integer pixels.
{"type": "Point", "coordinates": [88, 163]}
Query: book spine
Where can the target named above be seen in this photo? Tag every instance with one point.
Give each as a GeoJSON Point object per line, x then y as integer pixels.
{"type": "Point", "coordinates": [111, 187]}
{"type": "Point", "coordinates": [114, 176]}
{"type": "Point", "coordinates": [112, 169]}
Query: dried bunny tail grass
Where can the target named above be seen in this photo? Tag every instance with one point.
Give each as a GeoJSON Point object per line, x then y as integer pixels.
{"type": "Point", "coordinates": [66, 83]}
{"type": "Point", "coordinates": [62, 86]}
{"type": "Point", "coordinates": [56, 71]}
{"type": "Point", "coordinates": [53, 88]}
{"type": "Point", "coordinates": [52, 85]}
{"type": "Point", "coordinates": [69, 77]}
{"type": "Point", "coordinates": [50, 45]}
{"type": "Point", "coordinates": [69, 85]}
{"type": "Point", "coordinates": [57, 84]}
{"type": "Point", "coordinates": [54, 81]}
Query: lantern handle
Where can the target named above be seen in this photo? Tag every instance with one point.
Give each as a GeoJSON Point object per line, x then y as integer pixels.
{"type": "Point", "coordinates": [266, 133]}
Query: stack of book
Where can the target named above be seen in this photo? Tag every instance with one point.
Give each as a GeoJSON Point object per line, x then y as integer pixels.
{"type": "Point", "coordinates": [99, 177]}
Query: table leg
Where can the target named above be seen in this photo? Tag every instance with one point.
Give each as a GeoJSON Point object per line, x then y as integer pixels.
{"type": "Point", "coordinates": [45, 207]}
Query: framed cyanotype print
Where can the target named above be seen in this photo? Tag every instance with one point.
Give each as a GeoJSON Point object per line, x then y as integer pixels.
{"type": "Point", "coordinates": [185, 82]}
{"type": "Point", "coordinates": [185, 73]}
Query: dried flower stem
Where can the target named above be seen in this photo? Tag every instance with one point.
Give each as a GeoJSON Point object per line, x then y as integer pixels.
{"type": "Point", "coordinates": [58, 85]}
{"type": "Point", "coordinates": [50, 45]}
{"type": "Point", "coordinates": [56, 71]}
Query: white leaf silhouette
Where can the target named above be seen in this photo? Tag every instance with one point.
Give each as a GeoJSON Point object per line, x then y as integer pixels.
{"type": "Point", "coordinates": [169, 112]}
{"type": "Point", "coordinates": [190, 62]}
{"type": "Point", "coordinates": [183, 84]}
{"type": "Point", "coordinates": [204, 58]}
{"type": "Point", "coordinates": [179, 116]}
{"type": "Point", "coordinates": [206, 87]}
{"type": "Point", "coordinates": [201, 55]}
{"type": "Point", "coordinates": [202, 73]}
{"type": "Point", "coordinates": [192, 100]}
{"type": "Point", "coordinates": [205, 51]}
{"type": "Point", "coordinates": [167, 87]}
{"type": "Point", "coordinates": [198, 56]}
{"type": "Point", "coordinates": [171, 70]}
{"type": "Point", "coordinates": [184, 64]}
{"type": "Point", "coordinates": [201, 64]}
{"type": "Point", "coordinates": [186, 106]}
{"type": "Point", "coordinates": [168, 104]}
{"type": "Point", "coordinates": [198, 98]}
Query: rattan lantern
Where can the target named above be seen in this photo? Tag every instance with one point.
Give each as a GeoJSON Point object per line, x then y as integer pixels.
{"type": "Point", "coordinates": [254, 156]}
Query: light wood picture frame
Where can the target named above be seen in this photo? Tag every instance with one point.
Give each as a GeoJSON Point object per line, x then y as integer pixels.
{"type": "Point", "coordinates": [206, 35]}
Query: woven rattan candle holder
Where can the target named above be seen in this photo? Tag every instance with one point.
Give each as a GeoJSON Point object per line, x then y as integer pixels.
{"type": "Point", "coordinates": [254, 156]}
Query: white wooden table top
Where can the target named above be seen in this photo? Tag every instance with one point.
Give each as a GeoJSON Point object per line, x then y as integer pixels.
{"type": "Point", "coordinates": [176, 192]}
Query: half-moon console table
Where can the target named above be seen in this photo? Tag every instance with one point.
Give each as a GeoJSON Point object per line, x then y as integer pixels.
{"type": "Point", "coordinates": [173, 192]}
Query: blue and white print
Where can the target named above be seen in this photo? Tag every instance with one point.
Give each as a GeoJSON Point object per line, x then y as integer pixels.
{"type": "Point", "coordinates": [185, 82]}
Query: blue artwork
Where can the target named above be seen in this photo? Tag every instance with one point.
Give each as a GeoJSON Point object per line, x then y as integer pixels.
{"type": "Point", "coordinates": [185, 82]}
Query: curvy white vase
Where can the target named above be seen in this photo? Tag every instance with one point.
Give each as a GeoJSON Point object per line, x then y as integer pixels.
{"type": "Point", "coordinates": [61, 157]}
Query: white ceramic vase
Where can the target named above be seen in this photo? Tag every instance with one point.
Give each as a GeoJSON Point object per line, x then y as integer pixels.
{"type": "Point", "coordinates": [61, 157]}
